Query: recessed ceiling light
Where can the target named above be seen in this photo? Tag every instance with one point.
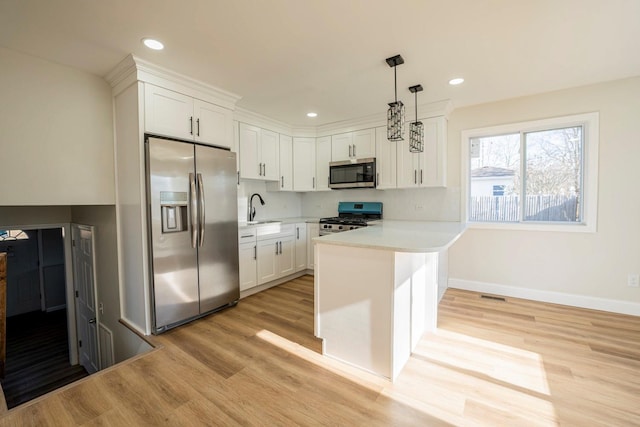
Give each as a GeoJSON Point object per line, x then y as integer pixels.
{"type": "Point", "coordinates": [153, 44]}
{"type": "Point", "coordinates": [456, 81]}
{"type": "Point", "coordinates": [312, 114]}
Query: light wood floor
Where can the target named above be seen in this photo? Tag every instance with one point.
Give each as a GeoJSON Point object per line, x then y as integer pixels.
{"type": "Point", "coordinates": [490, 363]}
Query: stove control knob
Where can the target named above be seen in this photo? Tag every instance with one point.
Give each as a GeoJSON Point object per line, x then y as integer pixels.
{"type": "Point", "coordinates": [325, 226]}
{"type": "Point", "coordinates": [340, 228]}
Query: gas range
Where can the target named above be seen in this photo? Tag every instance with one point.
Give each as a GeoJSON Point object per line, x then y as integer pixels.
{"type": "Point", "coordinates": [351, 216]}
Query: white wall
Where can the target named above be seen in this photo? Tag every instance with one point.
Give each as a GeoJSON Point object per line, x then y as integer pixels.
{"type": "Point", "coordinates": [586, 265]}
{"type": "Point", "coordinates": [56, 142]}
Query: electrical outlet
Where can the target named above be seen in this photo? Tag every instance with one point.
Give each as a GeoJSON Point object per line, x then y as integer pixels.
{"type": "Point", "coordinates": [101, 308]}
{"type": "Point", "coordinates": [633, 280]}
{"type": "Point", "coordinates": [419, 207]}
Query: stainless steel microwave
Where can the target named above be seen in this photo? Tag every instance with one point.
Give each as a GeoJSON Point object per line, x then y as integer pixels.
{"type": "Point", "coordinates": [360, 173]}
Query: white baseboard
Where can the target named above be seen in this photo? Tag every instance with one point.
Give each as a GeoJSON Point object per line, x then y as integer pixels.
{"type": "Point", "coordinates": [582, 301]}
{"type": "Point", "coordinates": [265, 286]}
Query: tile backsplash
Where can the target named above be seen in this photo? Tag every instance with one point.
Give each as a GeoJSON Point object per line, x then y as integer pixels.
{"type": "Point", "coordinates": [426, 204]}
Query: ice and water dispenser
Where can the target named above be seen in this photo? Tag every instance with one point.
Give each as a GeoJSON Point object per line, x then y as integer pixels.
{"type": "Point", "coordinates": [174, 206]}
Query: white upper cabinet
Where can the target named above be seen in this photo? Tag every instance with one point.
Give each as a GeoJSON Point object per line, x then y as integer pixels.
{"type": "Point", "coordinates": [176, 115]}
{"type": "Point", "coordinates": [249, 145]}
{"type": "Point", "coordinates": [167, 112]}
{"type": "Point", "coordinates": [214, 124]}
{"type": "Point", "coordinates": [353, 145]}
{"type": "Point", "coordinates": [342, 147]}
{"type": "Point", "coordinates": [426, 169]}
{"type": "Point", "coordinates": [323, 157]}
{"type": "Point", "coordinates": [270, 152]}
{"type": "Point", "coordinates": [364, 144]}
{"type": "Point", "coordinates": [286, 164]}
{"type": "Point", "coordinates": [259, 153]}
{"type": "Point", "coordinates": [304, 164]}
{"type": "Point", "coordinates": [385, 160]}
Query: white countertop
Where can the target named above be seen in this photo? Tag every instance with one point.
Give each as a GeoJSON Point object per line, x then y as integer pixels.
{"type": "Point", "coordinates": [399, 236]}
{"type": "Point", "coordinates": [296, 220]}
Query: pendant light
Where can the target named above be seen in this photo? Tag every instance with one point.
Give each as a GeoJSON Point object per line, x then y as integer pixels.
{"type": "Point", "coordinates": [395, 114]}
{"type": "Point", "coordinates": [416, 129]}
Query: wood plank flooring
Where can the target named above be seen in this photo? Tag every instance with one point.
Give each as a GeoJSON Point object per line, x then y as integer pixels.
{"type": "Point", "coordinates": [37, 356]}
{"type": "Point", "coordinates": [490, 363]}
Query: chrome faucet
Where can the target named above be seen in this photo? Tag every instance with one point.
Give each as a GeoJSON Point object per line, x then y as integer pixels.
{"type": "Point", "coordinates": [252, 210]}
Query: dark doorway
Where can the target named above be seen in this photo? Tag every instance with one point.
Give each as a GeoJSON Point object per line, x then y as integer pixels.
{"type": "Point", "coordinates": [37, 356]}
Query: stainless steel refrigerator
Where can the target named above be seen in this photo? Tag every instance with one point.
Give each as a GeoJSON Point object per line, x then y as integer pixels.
{"type": "Point", "coordinates": [193, 239]}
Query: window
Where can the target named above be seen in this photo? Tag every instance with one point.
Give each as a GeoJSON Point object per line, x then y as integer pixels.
{"type": "Point", "coordinates": [534, 175]}
{"type": "Point", "coordinates": [10, 235]}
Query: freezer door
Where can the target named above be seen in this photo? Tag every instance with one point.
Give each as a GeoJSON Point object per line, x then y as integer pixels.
{"type": "Point", "coordinates": [218, 240]}
{"type": "Point", "coordinates": [171, 190]}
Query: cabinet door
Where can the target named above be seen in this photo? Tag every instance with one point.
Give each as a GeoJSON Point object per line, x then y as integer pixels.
{"type": "Point", "coordinates": [301, 246]}
{"type": "Point", "coordinates": [408, 165]}
{"type": "Point", "coordinates": [313, 230]}
{"type": "Point", "coordinates": [385, 160]}
{"type": "Point", "coordinates": [249, 152]}
{"type": "Point", "coordinates": [323, 157]}
{"type": "Point", "coordinates": [304, 164]}
{"type": "Point", "coordinates": [286, 164]}
{"type": "Point", "coordinates": [364, 144]}
{"type": "Point", "coordinates": [248, 266]}
{"type": "Point", "coordinates": [433, 159]}
{"type": "Point", "coordinates": [270, 155]}
{"type": "Point", "coordinates": [267, 260]}
{"type": "Point", "coordinates": [341, 147]}
{"type": "Point", "coordinates": [213, 124]}
{"type": "Point", "coordinates": [287, 257]}
{"type": "Point", "coordinates": [168, 113]}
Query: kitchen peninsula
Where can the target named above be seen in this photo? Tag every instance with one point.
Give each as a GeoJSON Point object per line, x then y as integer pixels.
{"type": "Point", "coordinates": [376, 290]}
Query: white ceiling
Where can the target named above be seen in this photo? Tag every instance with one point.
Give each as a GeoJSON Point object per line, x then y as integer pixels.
{"type": "Point", "coordinates": [288, 57]}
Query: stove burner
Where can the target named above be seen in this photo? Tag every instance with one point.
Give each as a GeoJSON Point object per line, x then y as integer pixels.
{"type": "Point", "coordinates": [361, 221]}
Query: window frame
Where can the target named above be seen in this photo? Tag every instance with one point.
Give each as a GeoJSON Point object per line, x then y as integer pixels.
{"type": "Point", "coordinates": [590, 124]}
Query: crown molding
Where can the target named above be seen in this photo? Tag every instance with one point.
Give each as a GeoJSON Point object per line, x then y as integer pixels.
{"type": "Point", "coordinates": [250, 117]}
{"type": "Point", "coordinates": [425, 111]}
{"type": "Point", "coordinates": [132, 69]}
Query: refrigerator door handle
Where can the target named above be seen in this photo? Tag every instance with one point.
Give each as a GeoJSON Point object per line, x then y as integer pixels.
{"type": "Point", "coordinates": [194, 219]}
{"type": "Point", "coordinates": [201, 218]}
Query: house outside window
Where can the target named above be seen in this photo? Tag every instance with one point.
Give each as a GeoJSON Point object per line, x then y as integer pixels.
{"type": "Point", "coordinates": [533, 175]}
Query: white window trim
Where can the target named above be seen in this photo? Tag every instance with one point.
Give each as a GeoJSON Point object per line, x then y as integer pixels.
{"type": "Point", "coordinates": [590, 122]}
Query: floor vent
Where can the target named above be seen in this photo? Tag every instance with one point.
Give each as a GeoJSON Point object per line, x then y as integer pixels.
{"type": "Point", "coordinates": [493, 298]}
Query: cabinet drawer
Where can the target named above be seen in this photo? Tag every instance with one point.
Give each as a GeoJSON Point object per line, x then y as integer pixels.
{"type": "Point", "coordinates": [247, 235]}
{"type": "Point", "coordinates": [271, 231]}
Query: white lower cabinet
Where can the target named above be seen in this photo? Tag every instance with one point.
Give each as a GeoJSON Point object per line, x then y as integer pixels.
{"type": "Point", "coordinates": [272, 251]}
{"type": "Point", "coordinates": [267, 254]}
{"type": "Point", "coordinates": [248, 257]}
{"type": "Point", "coordinates": [248, 265]}
{"type": "Point", "coordinates": [313, 230]}
{"type": "Point", "coordinates": [275, 258]}
{"type": "Point", "coordinates": [301, 246]}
